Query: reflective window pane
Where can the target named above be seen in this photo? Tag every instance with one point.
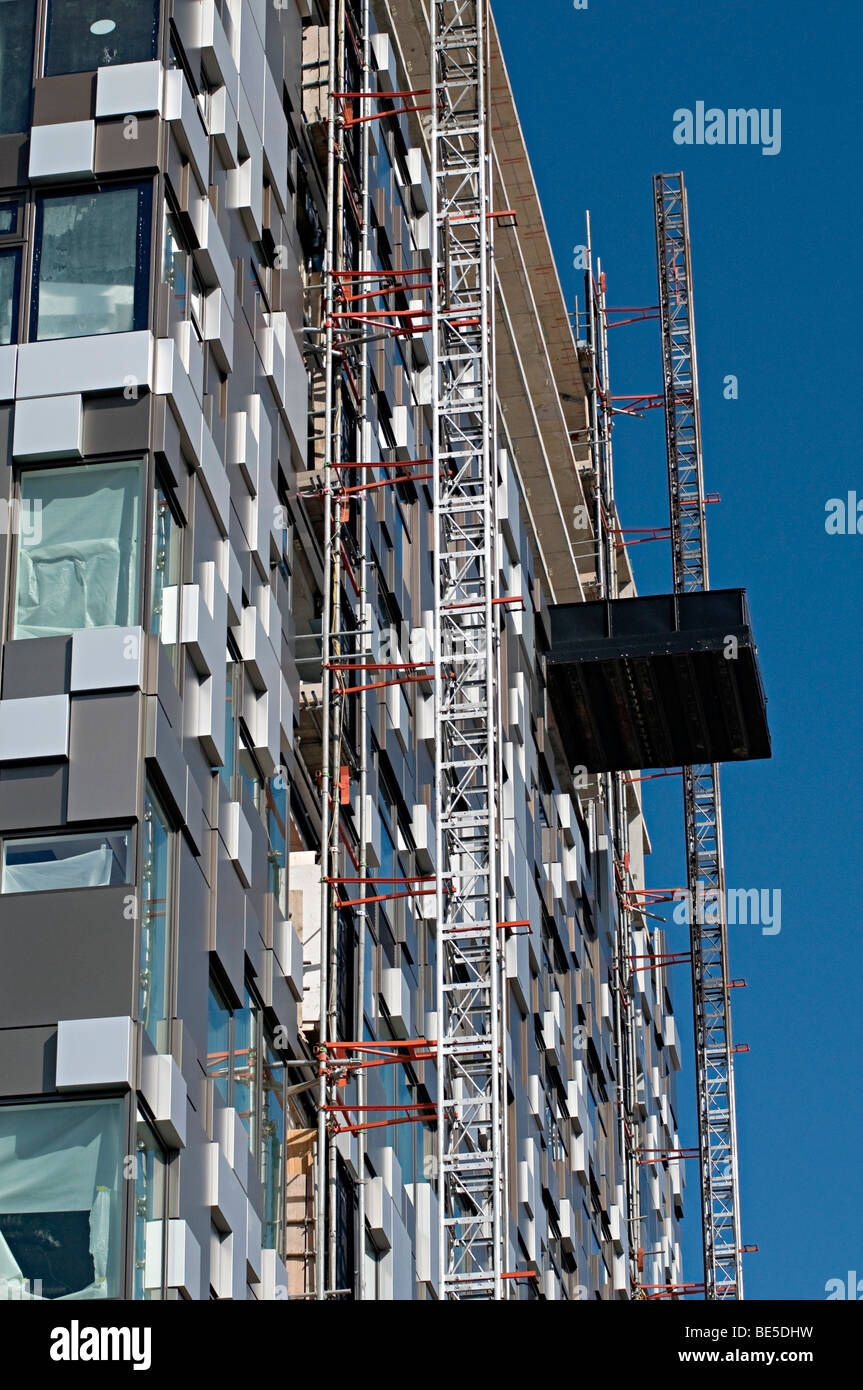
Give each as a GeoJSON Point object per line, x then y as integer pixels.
{"type": "Point", "coordinates": [232, 675]}
{"type": "Point", "coordinates": [83, 35]}
{"type": "Point", "coordinates": [10, 280]}
{"type": "Point", "coordinates": [166, 572]}
{"type": "Point", "coordinates": [175, 264]}
{"type": "Point", "coordinates": [156, 877]}
{"type": "Point", "coordinates": [150, 1185]}
{"type": "Point", "coordinates": [272, 1147]}
{"type": "Point", "coordinates": [61, 1199]}
{"type": "Point", "coordinates": [92, 255]}
{"type": "Point", "coordinates": [277, 847]}
{"type": "Point", "coordinates": [219, 1041]}
{"type": "Point", "coordinates": [59, 862]}
{"type": "Point", "coordinates": [246, 1055]}
{"type": "Point", "coordinates": [17, 24]}
{"type": "Point", "coordinates": [77, 566]}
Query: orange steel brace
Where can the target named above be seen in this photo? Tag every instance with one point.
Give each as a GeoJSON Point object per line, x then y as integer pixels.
{"type": "Point", "coordinates": [421, 1113]}
{"type": "Point", "coordinates": [379, 685]}
{"type": "Point", "coordinates": [671, 1290]}
{"type": "Point", "coordinates": [666, 1155]}
{"type": "Point", "coordinates": [383, 290]}
{"type": "Point", "coordinates": [672, 958]}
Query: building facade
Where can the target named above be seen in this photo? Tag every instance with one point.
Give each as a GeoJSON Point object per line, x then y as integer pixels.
{"type": "Point", "coordinates": [166, 213]}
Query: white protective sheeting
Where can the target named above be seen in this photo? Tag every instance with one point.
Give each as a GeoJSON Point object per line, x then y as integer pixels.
{"type": "Point", "coordinates": [65, 1157]}
{"type": "Point", "coordinates": [80, 570]}
{"type": "Point", "coordinates": [90, 870]}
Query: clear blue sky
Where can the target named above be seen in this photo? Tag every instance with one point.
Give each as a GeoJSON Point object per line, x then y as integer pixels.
{"type": "Point", "coordinates": [776, 255]}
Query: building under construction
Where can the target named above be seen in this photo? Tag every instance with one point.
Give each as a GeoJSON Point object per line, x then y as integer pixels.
{"type": "Point", "coordinates": [326, 691]}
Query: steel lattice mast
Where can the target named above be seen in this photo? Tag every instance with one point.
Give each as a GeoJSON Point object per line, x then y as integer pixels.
{"type": "Point", "coordinates": [469, 1063]}
{"type": "Point", "coordinates": [720, 1205]}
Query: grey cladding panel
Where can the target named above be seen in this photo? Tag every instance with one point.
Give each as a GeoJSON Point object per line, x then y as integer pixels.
{"type": "Point", "coordinates": [66, 955]}
{"type": "Point", "coordinates": [104, 747]}
{"type": "Point", "coordinates": [33, 798]}
{"type": "Point", "coordinates": [28, 1061]}
{"type": "Point", "coordinates": [36, 666]}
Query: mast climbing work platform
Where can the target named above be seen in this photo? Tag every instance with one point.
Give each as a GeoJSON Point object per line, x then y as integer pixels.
{"type": "Point", "coordinates": [720, 1204]}
{"type": "Point", "coordinates": [470, 1109]}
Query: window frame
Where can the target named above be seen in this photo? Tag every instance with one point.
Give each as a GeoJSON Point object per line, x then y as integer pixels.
{"type": "Point", "coordinates": [141, 1121]}
{"type": "Point", "coordinates": [83, 466]}
{"type": "Point", "coordinates": [69, 835]}
{"type": "Point", "coordinates": [14, 244]}
{"type": "Point", "coordinates": [119, 1247]}
{"type": "Point", "coordinates": [151, 793]}
{"type": "Point", "coordinates": [45, 36]}
{"type": "Point", "coordinates": [142, 286]}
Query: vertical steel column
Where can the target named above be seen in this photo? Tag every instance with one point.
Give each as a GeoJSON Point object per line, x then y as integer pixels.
{"type": "Point", "coordinates": [469, 1064]}
{"type": "Point", "coordinates": [364, 648]}
{"type": "Point", "coordinates": [615, 783]}
{"type": "Point", "coordinates": [717, 1128]}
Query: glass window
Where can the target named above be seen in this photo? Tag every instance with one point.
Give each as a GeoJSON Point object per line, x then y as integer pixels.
{"type": "Point", "coordinates": [91, 263]}
{"type": "Point", "coordinates": [277, 821]}
{"type": "Point", "coordinates": [88, 34]}
{"type": "Point", "coordinates": [60, 862]}
{"type": "Point", "coordinates": [10, 288]}
{"type": "Point", "coordinates": [164, 586]}
{"type": "Point", "coordinates": [250, 773]}
{"type": "Point", "coordinates": [175, 263]}
{"type": "Point", "coordinates": [246, 1051]}
{"type": "Point", "coordinates": [272, 1146]}
{"type": "Point", "coordinates": [233, 1055]}
{"type": "Point", "coordinates": [219, 1041]}
{"type": "Point", "coordinates": [79, 568]}
{"type": "Point", "coordinates": [233, 673]}
{"type": "Point", "coordinates": [61, 1199]}
{"type": "Point", "coordinates": [17, 24]}
{"type": "Point", "coordinates": [157, 853]}
{"type": "Point", "coordinates": [150, 1189]}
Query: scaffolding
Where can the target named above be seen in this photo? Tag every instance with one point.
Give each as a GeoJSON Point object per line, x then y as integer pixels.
{"type": "Point", "coordinates": [470, 1070]}
{"type": "Point", "coordinates": [613, 786]}
{"type": "Point", "coordinates": [720, 1207]}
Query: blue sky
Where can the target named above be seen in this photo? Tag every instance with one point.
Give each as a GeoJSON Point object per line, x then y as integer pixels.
{"type": "Point", "coordinates": [776, 247]}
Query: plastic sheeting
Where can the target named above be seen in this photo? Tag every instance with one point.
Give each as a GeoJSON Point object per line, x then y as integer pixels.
{"type": "Point", "coordinates": [90, 870]}
{"type": "Point", "coordinates": [64, 1157]}
{"type": "Point", "coordinates": [80, 569]}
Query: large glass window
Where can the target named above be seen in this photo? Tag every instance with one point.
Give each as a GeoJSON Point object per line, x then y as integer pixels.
{"type": "Point", "coordinates": [61, 1189]}
{"type": "Point", "coordinates": [10, 289]}
{"type": "Point", "coordinates": [272, 1147]}
{"type": "Point", "coordinates": [91, 263]}
{"type": "Point", "coordinates": [79, 567]}
{"type": "Point", "coordinates": [83, 35]}
{"type": "Point", "coordinates": [150, 1189]}
{"type": "Point", "coordinates": [247, 1051]}
{"type": "Point", "coordinates": [233, 1055]}
{"type": "Point", "coordinates": [157, 855]}
{"type": "Point", "coordinates": [219, 1041]}
{"type": "Point", "coordinates": [60, 862]}
{"type": "Point", "coordinates": [17, 24]}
